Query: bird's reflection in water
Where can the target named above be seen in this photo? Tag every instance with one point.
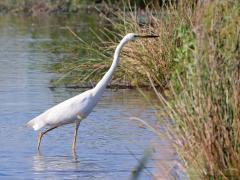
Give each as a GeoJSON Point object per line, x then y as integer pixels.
{"type": "Point", "coordinates": [55, 163]}
{"type": "Point", "coordinates": [56, 166]}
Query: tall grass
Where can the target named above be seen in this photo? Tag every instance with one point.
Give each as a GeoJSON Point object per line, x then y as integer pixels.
{"type": "Point", "coordinates": [138, 58]}
{"type": "Point", "coordinates": [206, 94]}
{"type": "Point", "coordinates": [205, 89]}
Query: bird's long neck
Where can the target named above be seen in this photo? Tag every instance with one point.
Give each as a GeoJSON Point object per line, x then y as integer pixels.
{"type": "Point", "coordinates": [101, 85]}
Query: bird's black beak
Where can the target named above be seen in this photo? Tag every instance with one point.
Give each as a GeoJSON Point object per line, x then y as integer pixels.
{"type": "Point", "coordinates": [147, 36]}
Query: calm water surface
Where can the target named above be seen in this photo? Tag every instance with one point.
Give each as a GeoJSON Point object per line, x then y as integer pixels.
{"type": "Point", "coordinates": [107, 138]}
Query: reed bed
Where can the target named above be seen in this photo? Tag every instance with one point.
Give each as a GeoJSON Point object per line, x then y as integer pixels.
{"type": "Point", "coordinates": [203, 98]}
{"type": "Point", "coordinates": [206, 94]}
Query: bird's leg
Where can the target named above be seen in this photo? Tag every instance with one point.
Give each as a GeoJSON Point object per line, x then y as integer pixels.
{"type": "Point", "coordinates": [41, 134]}
{"type": "Point", "coordinates": [75, 136]}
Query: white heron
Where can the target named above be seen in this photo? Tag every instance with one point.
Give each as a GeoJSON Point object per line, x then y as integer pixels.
{"type": "Point", "coordinates": [77, 108]}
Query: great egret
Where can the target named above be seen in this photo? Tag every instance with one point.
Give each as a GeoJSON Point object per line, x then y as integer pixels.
{"type": "Point", "coordinates": [75, 109]}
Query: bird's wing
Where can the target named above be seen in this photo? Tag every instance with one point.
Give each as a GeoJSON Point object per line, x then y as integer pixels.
{"type": "Point", "coordinates": [64, 113]}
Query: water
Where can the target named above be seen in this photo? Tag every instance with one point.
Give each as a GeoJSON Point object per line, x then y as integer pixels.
{"type": "Point", "coordinates": [109, 144]}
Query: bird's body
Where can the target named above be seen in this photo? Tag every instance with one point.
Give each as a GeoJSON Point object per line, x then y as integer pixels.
{"type": "Point", "coordinates": [75, 109]}
{"type": "Point", "coordinates": [77, 106]}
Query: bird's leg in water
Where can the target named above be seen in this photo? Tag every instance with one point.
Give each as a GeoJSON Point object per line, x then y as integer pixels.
{"type": "Point", "coordinates": [41, 134]}
{"type": "Point", "coordinates": [75, 135]}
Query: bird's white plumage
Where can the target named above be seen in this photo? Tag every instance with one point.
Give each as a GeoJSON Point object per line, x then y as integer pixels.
{"type": "Point", "coordinates": [66, 112]}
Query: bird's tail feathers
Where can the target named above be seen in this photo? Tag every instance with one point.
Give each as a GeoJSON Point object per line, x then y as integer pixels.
{"type": "Point", "coordinates": [35, 124]}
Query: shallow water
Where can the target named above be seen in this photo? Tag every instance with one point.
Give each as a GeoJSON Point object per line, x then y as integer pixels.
{"type": "Point", "coordinates": [109, 144]}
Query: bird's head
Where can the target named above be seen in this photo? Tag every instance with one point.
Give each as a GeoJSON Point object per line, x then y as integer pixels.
{"type": "Point", "coordinates": [133, 36]}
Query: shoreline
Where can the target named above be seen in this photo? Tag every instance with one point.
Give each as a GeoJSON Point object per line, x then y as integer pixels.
{"type": "Point", "coordinates": [110, 86]}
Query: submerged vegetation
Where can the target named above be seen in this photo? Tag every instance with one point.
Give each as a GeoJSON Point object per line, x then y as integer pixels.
{"type": "Point", "coordinates": [195, 63]}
